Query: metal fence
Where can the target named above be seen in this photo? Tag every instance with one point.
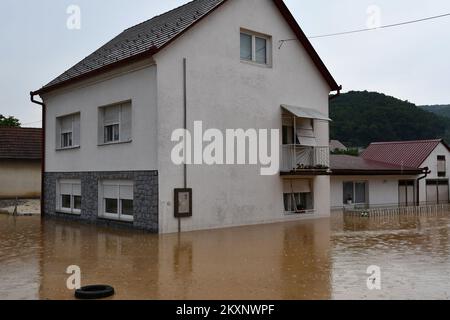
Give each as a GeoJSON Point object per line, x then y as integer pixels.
{"type": "Point", "coordinates": [424, 208]}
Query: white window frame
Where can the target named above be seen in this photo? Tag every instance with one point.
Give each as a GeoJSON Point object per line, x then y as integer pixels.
{"type": "Point", "coordinates": [255, 35]}
{"type": "Point", "coordinates": [103, 124]}
{"type": "Point", "coordinates": [102, 200]}
{"type": "Point", "coordinates": [112, 124]}
{"type": "Point", "coordinates": [366, 195]}
{"type": "Point", "coordinates": [59, 207]}
{"type": "Point", "coordinates": [71, 131]}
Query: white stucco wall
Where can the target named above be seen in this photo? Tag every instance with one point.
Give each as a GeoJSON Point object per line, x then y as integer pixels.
{"type": "Point", "coordinates": [136, 83]}
{"type": "Point", "coordinates": [226, 93]}
{"type": "Point", "coordinates": [383, 190]}
{"type": "Point", "coordinates": [431, 163]}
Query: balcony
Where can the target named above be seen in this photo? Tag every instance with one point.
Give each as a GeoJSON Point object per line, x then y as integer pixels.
{"type": "Point", "coordinates": [297, 159]}
{"type": "Point", "coordinates": [303, 151]}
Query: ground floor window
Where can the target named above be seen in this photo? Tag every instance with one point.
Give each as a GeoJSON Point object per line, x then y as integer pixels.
{"type": "Point", "coordinates": [297, 196]}
{"type": "Point", "coordinates": [437, 191]}
{"type": "Point", "coordinates": [116, 200]}
{"type": "Point", "coordinates": [69, 196]}
{"type": "Point", "coordinates": [355, 192]}
{"type": "Point", "coordinates": [297, 202]}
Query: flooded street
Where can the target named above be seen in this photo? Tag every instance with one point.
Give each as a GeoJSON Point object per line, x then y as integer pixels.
{"type": "Point", "coordinates": [319, 259]}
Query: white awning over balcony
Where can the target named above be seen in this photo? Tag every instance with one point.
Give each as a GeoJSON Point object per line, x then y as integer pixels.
{"type": "Point", "coordinates": [307, 113]}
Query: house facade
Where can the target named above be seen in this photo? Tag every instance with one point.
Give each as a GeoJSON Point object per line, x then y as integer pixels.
{"type": "Point", "coordinates": [110, 121]}
{"type": "Point", "coordinates": [20, 163]}
{"type": "Point", "coordinates": [365, 183]}
{"type": "Point", "coordinates": [400, 173]}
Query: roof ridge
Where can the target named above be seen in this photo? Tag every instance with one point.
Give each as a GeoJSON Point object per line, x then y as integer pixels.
{"type": "Point", "coordinates": [145, 39]}
{"type": "Point", "coordinates": [407, 142]}
{"type": "Point", "coordinates": [160, 15]}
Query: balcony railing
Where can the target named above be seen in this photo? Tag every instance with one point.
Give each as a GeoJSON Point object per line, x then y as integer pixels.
{"type": "Point", "coordinates": [301, 158]}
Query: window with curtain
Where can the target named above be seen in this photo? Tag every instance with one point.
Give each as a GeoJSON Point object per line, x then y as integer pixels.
{"type": "Point", "coordinates": [355, 192]}
{"type": "Point", "coordinates": [255, 47]}
{"type": "Point", "coordinates": [298, 202]}
{"type": "Point", "coordinates": [297, 195]}
{"type": "Point", "coordinates": [115, 123]}
{"type": "Point", "coordinates": [68, 131]}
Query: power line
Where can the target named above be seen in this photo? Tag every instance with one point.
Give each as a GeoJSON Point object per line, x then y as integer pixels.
{"type": "Point", "coordinates": [26, 124]}
{"type": "Point", "coordinates": [370, 29]}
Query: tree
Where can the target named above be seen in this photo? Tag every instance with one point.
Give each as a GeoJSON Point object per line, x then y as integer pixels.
{"type": "Point", "coordinates": [9, 121]}
{"type": "Point", "coordinates": [349, 152]}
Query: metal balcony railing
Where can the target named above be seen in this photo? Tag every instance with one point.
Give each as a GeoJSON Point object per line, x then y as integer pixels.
{"type": "Point", "coordinates": [300, 158]}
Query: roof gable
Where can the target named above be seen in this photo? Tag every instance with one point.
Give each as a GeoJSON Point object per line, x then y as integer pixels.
{"type": "Point", "coordinates": [148, 38]}
{"type": "Point", "coordinates": [407, 153]}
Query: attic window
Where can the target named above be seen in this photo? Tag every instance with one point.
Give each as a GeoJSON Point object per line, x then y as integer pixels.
{"type": "Point", "coordinates": [255, 47]}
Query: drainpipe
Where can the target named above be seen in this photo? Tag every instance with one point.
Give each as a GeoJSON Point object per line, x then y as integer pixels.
{"type": "Point", "coordinates": [426, 172]}
{"type": "Point", "coordinates": [185, 180]}
{"type": "Point", "coordinates": [32, 95]}
{"type": "Point", "coordinates": [337, 94]}
{"type": "Point", "coordinates": [185, 117]}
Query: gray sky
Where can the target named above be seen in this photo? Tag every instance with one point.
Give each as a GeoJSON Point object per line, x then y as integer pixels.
{"type": "Point", "coordinates": [410, 62]}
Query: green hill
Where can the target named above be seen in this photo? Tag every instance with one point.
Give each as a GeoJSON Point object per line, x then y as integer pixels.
{"type": "Point", "coordinates": [361, 117]}
{"type": "Point", "coordinates": [440, 110]}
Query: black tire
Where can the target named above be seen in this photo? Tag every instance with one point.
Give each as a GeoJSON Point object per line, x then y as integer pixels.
{"type": "Point", "coordinates": [94, 292]}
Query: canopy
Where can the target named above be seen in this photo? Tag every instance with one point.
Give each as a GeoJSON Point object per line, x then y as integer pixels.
{"type": "Point", "coordinates": [305, 112]}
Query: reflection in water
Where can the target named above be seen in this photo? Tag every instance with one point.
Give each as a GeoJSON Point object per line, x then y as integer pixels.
{"type": "Point", "coordinates": [321, 259]}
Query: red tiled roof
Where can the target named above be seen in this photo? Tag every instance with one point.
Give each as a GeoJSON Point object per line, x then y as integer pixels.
{"type": "Point", "coordinates": [406, 153]}
{"type": "Point", "coordinates": [20, 143]}
{"type": "Point", "coordinates": [349, 164]}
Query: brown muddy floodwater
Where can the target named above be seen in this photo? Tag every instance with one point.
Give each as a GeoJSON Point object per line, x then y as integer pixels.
{"type": "Point", "coordinates": [321, 259]}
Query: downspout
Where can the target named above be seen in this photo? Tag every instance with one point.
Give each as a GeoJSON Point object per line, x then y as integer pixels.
{"type": "Point", "coordinates": [337, 94]}
{"type": "Point", "coordinates": [185, 118]}
{"type": "Point", "coordinates": [426, 172]}
{"type": "Point", "coordinates": [185, 182]}
{"type": "Point", "coordinates": [32, 95]}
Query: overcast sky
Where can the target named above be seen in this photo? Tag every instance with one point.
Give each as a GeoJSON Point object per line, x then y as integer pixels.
{"type": "Point", "coordinates": [410, 62]}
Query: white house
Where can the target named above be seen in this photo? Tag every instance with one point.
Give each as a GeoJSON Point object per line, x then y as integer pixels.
{"type": "Point", "coordinates": [402, 173]}
{"type": "Point", "coordinates": [110, 120]}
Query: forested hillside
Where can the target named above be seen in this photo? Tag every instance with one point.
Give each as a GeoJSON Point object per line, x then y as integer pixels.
{"type": "Point", "coordinates": [440, 110]}
{"type": "Point", "coordinates": [361, 117]}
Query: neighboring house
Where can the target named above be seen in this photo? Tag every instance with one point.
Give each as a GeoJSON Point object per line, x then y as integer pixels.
{"type": "Point", "coordinates": [431, 154]}
{"type": "Point", "coordinates": [20, 163]}
{"type": "Point", "coordinates": [109, 121]}
{"type": "Point", "coordinates": [336, 145]}
{"type": "Point", "coordinates": [357, 181]}
{"type": "Point", "coordinates": [392, 173]}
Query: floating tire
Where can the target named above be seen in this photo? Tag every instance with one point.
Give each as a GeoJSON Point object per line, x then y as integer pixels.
{"type": "Point", "coordinates": [94, 292]}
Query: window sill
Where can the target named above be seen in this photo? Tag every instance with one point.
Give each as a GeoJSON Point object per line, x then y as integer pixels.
{"type": "Point", "coordinates": [116, 220]}
{"type": "Point", "coordinates": [299, 213]}
{"type": "Point", "coordinates": [256, 64]}
{"type": "Point", "coordinates": [68, 213]}
{"type": "Point", "coordinates": [68, 148]}
{"type": "Point", "coordinates": [114, 143]}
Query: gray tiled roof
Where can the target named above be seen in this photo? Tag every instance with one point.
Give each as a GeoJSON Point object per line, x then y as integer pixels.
{"type": "Point", "coordinates": [149, 36]}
